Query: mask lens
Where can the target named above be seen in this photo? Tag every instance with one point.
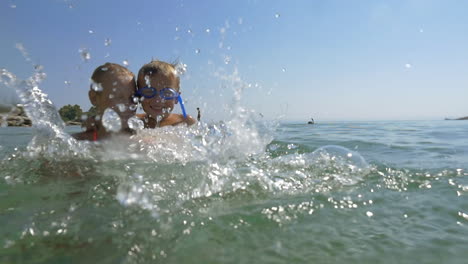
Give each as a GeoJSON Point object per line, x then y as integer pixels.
{"type": "Point", "coordinates": [148, 92]}
{"type": "Point", "coordinates": [168, 93]}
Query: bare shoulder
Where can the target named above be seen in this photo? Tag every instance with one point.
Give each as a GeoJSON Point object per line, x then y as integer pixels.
{"type": "Point", "coordinates": [177, 119]}
{"type": "Point", "coordinates": [190, 120]}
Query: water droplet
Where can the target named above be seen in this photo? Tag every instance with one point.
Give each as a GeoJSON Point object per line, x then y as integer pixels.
{"type": "Point", "coordinates": [85, 55]}
{"type": "Point", "coordinates": [189, 31]}
{"type": "Point", "coordinates": [421, 30]}
{"type": "Point", "coordinates": [197, 51]}
{"type": "Point", "coordinates": [135, 123]}
{"type": "Point", "coordinates": [181, 68]}
{"type": "Point", "coordinates": [158, 119]}
{"type": "Point", "coordinates": [277, 15]}
{"type": "Point", "coordinates": [408, 66]}
{"type": "Point", "coordinates": [91, 31]}
{"type": "Point", "coordinates": [38, 67]}
{"type": "Point", "coordinates": [133, 107]}
{"type": "Point", "coordinates": [177, 29]}
{"type": "Point", "coordinates": [227, 60]}
{"type": "Point", "coordinates": [369, 213]}
{"type": "Point", "coordinates": [135, 100]}
{"type": "Point", "coordinates": [125, 63]}
{"type": "Point", "coordinates": [283, 70]}
{"type": "Point", "coordinates": [67, 83]}
{"type": "Point", "coordinates": [13, 6]}
{"type": "Point", "coordinates": [147, 80]}
{"type": "Point", "coordinates": [122, 107]}
{"type": "Point", "coordinates": [240, 20]}
{"type": "Point", "coordinates": [23, 51]}
{"type": "Point", "coordinates": [273, 147]}
{"type": "Point", "coordinates": [111, 120]}
{"type": "Point", "coordinates": [111, 96]}
{"type": "Point", "coordinates": [6, 77]}
{"type": "Point", "coordinates": [207, 30]}
{"type": "Point", "coordinates": [107, 42]}
{"type": "Point", "coordinates": [96, 87]}
{"type": "Point", "coordinates": [292, 146]}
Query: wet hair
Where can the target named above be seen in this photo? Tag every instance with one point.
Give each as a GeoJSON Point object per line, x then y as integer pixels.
{"type": "Point", "coordinates": [157, 67]}
{"type": "Point", "coordinates": [110, 75]}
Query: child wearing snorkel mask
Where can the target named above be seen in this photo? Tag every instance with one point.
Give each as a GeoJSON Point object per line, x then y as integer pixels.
{"type": "Point", "coordinates": [159, 91]}
{"type": "Point", "coordinates": [112, 89]}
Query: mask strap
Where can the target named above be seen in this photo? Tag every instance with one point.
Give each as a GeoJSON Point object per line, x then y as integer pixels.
{"type": "Point", "coordinates": [182, 106]}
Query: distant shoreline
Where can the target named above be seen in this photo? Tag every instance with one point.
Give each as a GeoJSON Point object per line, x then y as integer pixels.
{"type": "Point", "coordinates": [19, 121]}
{"type": "Point", "coordinates": [461, 118]}
{"type": "Point", "coordinates": [18, 118]}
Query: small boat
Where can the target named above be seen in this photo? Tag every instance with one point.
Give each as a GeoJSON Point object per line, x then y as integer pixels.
{"type": "Point", "coordinates": [311, 122]}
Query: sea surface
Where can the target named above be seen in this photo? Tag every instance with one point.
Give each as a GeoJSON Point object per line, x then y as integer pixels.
{"type": "Point", "coordinates": [238, 192]}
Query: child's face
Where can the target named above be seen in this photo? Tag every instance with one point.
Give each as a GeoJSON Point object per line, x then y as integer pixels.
{"type": "Point", "coordinates": [118, 96]}
{"type": "Point", "coordinates": [157, 106]}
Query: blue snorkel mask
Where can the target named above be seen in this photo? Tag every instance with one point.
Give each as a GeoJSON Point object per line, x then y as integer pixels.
{"type": "Point", "coordinates": [165, 93]}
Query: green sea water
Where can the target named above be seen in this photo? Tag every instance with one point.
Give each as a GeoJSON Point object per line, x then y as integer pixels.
{"type": "Point", "coordinates": [333, 192]}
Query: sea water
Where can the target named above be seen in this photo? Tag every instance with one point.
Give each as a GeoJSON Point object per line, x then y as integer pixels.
{"type": "Point", "coordinates": [333, 192]}
{"type": "Point", "coordinates": [241, 190]}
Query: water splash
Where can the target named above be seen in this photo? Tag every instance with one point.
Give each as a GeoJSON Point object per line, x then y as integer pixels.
{"type": "Point", "coordinates": [107, 42]}
{"type": "Point", "coordinates": [49, 136]}
{"type": "Point", "coordinates": [111, 120]}
{"type": "Point", "coordinates": [84, 54]}
{"type": "Point", "coordinates": [181, 68]}
{"type": "Point", "coordinates": [97, 87]}
{"type": "Point", "coordinates": [135, 123]}
{"type": "Point", "coordinates": [122, 107]}
{"type": "Point", "coordinates": [340, 163]}
{"type": "Point", "coordinates": [24, 52]}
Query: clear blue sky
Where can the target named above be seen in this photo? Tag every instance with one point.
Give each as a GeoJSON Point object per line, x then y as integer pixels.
{"type": "Point", "coordinates": [331, 60]}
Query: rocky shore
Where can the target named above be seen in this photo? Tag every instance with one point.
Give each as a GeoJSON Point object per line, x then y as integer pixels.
{"type": "Point", "coordinates": [18, 118]}
{"type": "Point", "coordinates": [15, 118]}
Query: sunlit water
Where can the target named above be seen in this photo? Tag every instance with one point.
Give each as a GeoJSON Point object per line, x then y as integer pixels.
{"type": "Point", "coordinates": [394, 192]}
{"type": "Point", "coordinates": [238, 191]}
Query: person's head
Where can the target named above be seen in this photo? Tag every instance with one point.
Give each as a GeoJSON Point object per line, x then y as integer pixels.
{"type": "Point", "coordinates": [155, 80]}
{"type": "Point", "coordinates": [113, 86]}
